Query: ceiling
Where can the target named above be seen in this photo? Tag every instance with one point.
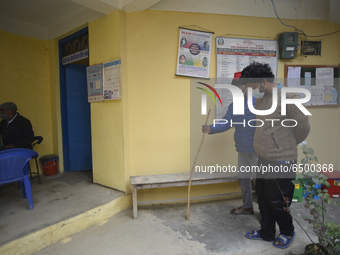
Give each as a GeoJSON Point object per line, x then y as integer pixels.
{"type": "Point", "coordinates": [49, 19]}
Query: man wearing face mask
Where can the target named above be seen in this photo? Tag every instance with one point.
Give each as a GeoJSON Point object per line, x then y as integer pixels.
{"type": "Point", "coordinates": [276, 146]}
{"type": "Point", "coordinates": [243, 137]}
{"type": "Point", "coordinates": [15, 129]}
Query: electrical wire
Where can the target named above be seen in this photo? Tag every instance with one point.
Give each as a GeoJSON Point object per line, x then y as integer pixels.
{"type": "Point", "coordinates": [324, 34]}
{"type": "Point", "coordinates": [299, 30]}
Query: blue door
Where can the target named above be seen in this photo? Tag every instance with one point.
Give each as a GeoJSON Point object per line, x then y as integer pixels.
{"type": "Point", "coordinates": [78, 119]}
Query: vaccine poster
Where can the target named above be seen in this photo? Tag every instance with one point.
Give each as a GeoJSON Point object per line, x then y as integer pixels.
{"type": "Point", "coordinates": [194, 51]}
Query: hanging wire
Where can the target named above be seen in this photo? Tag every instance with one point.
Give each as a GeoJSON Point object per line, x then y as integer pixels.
{"type": "Point", "coordinates": [296, 14]}
{"type": "Point", "coordinates": [299, 30]}
{"type": "Point", "coordinates": [325, 34]}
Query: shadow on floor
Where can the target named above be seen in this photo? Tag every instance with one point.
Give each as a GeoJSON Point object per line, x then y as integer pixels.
{"type": "Point", "coordinates": [163, 229]}
{"type": "Point", "coordinates": [57, 198]}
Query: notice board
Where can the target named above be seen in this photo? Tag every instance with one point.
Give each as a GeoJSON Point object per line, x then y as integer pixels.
{"type": "Point", "coordinates": [233, 55]}
{"type": "Point", "coordinates": [321, 80]}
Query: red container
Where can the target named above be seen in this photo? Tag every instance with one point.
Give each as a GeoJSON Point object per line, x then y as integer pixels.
{"type": "Point", "coordinates": [334, 181]}
{"type": "Point", "coordinates": [49, 164]}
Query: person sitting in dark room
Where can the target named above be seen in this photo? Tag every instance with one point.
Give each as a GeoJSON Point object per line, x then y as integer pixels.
{"type": "Point", "coordinates": [16, 130]}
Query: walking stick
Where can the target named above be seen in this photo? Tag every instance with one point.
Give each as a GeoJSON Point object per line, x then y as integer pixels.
{"type": "Point", "coordinates": [193, 166]}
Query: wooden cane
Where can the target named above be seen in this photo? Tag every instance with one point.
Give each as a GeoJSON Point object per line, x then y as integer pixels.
{"type": "Point", "coordinates": [193, 166]}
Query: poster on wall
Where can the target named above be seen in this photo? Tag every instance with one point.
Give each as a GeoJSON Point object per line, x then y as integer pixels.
{"type": "Point", "coordinates": [95, 83]}
{"type": "Point", "coordinates": [194, 51]}
{"type": "Point", "coordinates": [320, 84]}
{"type": "Point", "coordinates": [111, 85]}
{"type": "Point", "coordinates": [233, 55]}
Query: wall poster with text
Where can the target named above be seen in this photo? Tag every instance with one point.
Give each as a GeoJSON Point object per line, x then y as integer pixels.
{"type": "Point", "coordinates": [233, 55]}
{"type": "Point", "coordinates": [95, 83]}
{"type": "Point", "coordinates": [194, 51]}
{"type": "Point", "coordinates": [112, 80]}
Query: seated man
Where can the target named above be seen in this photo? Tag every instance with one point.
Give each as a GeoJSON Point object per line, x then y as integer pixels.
{"type": "Point", "coordinates": [15, 129]}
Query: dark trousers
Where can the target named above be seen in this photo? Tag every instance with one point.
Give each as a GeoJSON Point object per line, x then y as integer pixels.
{"type": "Point", "coordinates": [273, 196]}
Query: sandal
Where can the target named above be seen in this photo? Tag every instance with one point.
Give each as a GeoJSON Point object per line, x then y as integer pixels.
{"type": "Point", "coordinates": [255, 235]}
{"type": "Point", "coordinates": [286, 241]}
{"type": "Point", "coordinates": [241, 211]}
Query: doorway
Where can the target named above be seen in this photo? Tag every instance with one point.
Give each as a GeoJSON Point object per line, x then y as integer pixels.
{"type": "Point", "coordinates": [75, 109]}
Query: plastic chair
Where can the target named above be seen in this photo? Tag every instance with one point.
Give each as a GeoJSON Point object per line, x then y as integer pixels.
{"type": "Point", "coordinates": [37, 140]}
{"type": "Point", "coordinates": [14, 166]}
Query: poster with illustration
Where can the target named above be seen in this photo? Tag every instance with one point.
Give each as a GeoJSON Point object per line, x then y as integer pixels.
{"type": "Point", "coordinates": [95, 83]}
{"type": "Point", "coordinates": [194, 51]}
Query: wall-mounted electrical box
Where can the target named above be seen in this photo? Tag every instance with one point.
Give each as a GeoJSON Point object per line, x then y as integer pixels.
{"type": "Point", "coordinates": [288, 43]}
{"type": "Point", "coordinates": [311, 48]}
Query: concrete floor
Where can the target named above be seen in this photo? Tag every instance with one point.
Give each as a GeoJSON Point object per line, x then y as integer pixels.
{"type": "Point", "coordinates": [160, 229]}
{"type": "Point", "coordinates": [163, 229]}
{"type": "Point", "coordinates": [57, 198]}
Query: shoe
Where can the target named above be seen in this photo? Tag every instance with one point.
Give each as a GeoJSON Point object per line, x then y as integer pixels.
{"type": "Point", "coordinates": [286, 241]}
{"type": "Point", "coordinates": [241, 211]}
{"type": "Point", "coordinates": [255, 235]}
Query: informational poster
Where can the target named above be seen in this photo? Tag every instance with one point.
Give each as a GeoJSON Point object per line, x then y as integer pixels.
{"type": "Point", "coordinates": [233, 55]}
{"type": "Point", "coordinates": [194, 51]}
{"type": "Point", "coordinates": [112, 86]}
{"type": "Point", "coordinates": [330, 95]}
{"type": "Point", "coordinates": [294, 73]}
{"type": "Point", "coordinates": [324, 76]}
{"type": "Point", "coordinates": [321, 86]}
{"type": "Point", "coordinates": [95, 83]}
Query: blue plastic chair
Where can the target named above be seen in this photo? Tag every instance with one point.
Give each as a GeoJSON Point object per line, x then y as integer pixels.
{"type": "Point", "coordinates": [14, 166]}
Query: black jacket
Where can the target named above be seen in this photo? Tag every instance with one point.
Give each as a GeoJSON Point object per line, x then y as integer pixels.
{"type": "Point", "coordinates": [19, 132]}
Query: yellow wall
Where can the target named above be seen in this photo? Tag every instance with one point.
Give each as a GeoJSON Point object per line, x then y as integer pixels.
{"type": "Point", "coordinates": [159, 118]}
{"type": "Point", "coordinates": [24, 79]}
{"type": "Point", "coordinates": [148, 130]}
{"type": "Point", "coordinates": [107, 116]}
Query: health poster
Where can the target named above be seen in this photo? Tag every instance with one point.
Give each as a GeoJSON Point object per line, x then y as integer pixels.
{"type": "Point", "coordinates": [95, 83]}
{"type": "Point", "coordinates": [194, 51]}
{"type": "Point", "coordinates": [111, 85]}
{"type": "Point", "coordinates": [233, 55]}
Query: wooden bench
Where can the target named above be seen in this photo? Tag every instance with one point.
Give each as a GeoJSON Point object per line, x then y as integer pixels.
{"type": "Point", "coordinates": [174, 180]}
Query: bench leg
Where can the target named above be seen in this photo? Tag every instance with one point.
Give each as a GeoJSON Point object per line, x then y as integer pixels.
{"type": "Point", "coordinates": [134, 201]}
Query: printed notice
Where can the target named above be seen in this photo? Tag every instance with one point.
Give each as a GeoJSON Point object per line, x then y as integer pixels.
{"type": "Point", "coordinates": [233, 55]}
{"type": "Point", "coordinates": [112, 87]}
{"type": "Point", "coordinates": [95, 83]}
{"type": "Point", "coordinates": [324, 76]}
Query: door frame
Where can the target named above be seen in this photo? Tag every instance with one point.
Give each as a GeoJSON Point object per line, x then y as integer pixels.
{"type": "Point", "coordinates": [63, 103]}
